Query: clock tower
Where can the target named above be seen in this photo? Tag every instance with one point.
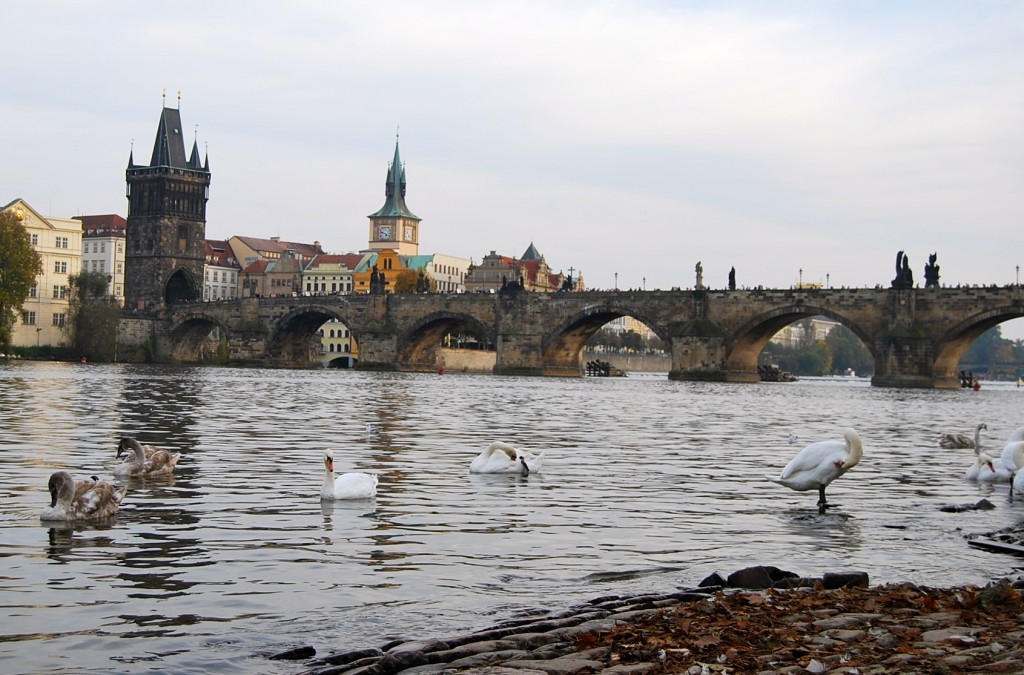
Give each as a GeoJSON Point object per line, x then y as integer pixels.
{"type": "Point", "coordinates": [394, 226]}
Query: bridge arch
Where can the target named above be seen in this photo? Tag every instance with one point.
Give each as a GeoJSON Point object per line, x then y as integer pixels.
{"type": "Point", "coordinates": [749, 340]}
{"type": "Point", "coordinates": [952, 345]}
{"type": "Point", "coordinates": [562, 348]}
{"type": "Point", "coordinates": [197, 338]}
{"type": "Point", "coordinates": [418, 345]}
{"type": "Point", "coordinates": [294, 339]}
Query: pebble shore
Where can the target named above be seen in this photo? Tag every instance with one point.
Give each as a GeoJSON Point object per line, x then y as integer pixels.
{"type": "Point", "coordinates": [583, 639]}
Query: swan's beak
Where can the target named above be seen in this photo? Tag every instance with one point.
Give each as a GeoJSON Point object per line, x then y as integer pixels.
{"type": "Point", "coordinates": [991, 467]}
{"type": "Point", "coordinates": [330, 464]}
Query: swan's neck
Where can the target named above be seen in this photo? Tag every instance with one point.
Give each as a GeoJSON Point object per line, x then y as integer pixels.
{"type": "Point", "coordinates": [856, 451]}
{"type": "Point", "coordinates": [977, 438]}
{"type": "Point", "coordinates": [328, 478]}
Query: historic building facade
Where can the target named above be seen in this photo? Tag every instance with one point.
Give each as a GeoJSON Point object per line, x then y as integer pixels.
{"type": "Point", "coordinates": [58, 241]}
{"type": "Point", "coordinates": [103, 239]}
{"type": "Point", "coordinates": [166, 228]}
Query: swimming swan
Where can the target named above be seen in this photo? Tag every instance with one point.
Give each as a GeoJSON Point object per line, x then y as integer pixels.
{"type": "Point", "coordinates": [951, 441]}
{"type": "Point", "coordinates": [501, 457]}
{"type": "Point", "coordinates": [347, 485]}
{"type": "Point", "coordinates": [82, 501]}
{"type": "Point", "coordinates": [819, 464]}
{"type": "Point", "coordinates": [143, 461]}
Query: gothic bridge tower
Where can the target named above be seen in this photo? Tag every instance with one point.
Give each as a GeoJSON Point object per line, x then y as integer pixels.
{"type": "Point", "coordinates": [166, 221]}
{"type": "Point", "coordinates": [394, 226]}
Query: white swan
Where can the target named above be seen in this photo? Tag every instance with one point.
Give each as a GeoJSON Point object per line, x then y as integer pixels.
{"type": "Point", "coordinates": [951, 441]}
{"type": "Point", "coordinates": [143, 461]}
{"type": "Point", "coordinates": [82, 501]}
{"type": "Point", "coordinates": [347, 485]}
{"type": "Point", "coordinates": [819, 464]}
{"type": "Point", "coordinates": [1009, 447]}
{"type": "Point", "coordinates": [993, 470]}
{"type": "Point", "coordinates": [501, 457]}
{"type": "Point", "coordinates": [1017, 484]}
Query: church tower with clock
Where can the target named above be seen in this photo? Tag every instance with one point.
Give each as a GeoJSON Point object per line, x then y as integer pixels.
{"type": "Point", "coordinates": [394, 226]}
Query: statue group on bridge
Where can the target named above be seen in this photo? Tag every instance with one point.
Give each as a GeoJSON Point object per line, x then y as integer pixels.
{"type": "Point", "coordinates": [905, 278]}
{"type": "Point", "coordinates": [378, 284]}
{"type": "Point", "coordinates": [931, 272]}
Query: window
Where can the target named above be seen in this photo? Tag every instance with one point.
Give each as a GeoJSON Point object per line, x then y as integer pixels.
{"type": "Point", "coordinates": [62, 242]}
{"type": "Point", "coordinates": [28, 318]}
{"type": "Point", "coordinates": [103, 266]}
{"type": "Point", "coordinates": [35, 240]}
{"type": "Point", "coordinates": [60, 267]}
{"type": "Point", "coordinates": [34, 291]}
{"type": "Point", "coordinates": [103, 248]}
{"type": "Point", "coordinates": [56, 291]}
{"type": "Point", "coordinates": [58, 319]}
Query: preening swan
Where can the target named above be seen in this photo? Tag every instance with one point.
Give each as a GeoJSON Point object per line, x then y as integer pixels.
{"type": "Point", "coordinates": [951, 441]}
{"type": "Point", "coordinates": [347, 485]}
{"type": "Point", "coordinates": [144, 460]}
{"type": "Point", "coordinates": [1009, 448]}
{"type": "Point", "coordinates": [501, 457]}
{"type": "Point", "coordinates": [82, 501]}
{"type": "Point", "coordinates": [819, 464]}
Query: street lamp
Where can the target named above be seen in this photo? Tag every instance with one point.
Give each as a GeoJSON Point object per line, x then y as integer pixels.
{"type": "Point", "coordinates": [801, 284]}
{"type": "Point", "coordinates": [645, 283]}
{"type": "Point", "coordinates": [826, 280]}
{"type": "Point", "coordinates": [1018, 275]}
{"type": "Point", "coordinates": [616, 281]}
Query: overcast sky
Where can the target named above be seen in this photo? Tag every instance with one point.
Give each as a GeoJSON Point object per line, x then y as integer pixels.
{"type": "Point", "coordinates": [632, 137]}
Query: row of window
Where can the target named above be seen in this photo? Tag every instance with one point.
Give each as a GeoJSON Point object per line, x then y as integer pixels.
{"type": "Point", "coordinates": [28, 318]}
{"type": "Point", "coordinates": [222, 275]}
{"type": "Point", "coordinates": [60, 266]}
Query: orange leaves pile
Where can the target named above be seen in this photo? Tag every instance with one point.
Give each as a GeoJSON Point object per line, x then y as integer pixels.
{"type": "Point", "coordinates": [751, 631]}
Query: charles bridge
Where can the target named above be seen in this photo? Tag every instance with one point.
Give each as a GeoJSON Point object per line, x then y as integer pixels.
{"type": "Point", "coordinates": [916, 335]}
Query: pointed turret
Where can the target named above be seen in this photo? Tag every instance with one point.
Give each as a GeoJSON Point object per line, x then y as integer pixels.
{"type": "Point", "coordinates": [169, 148]}
{"type": "Point", "coordinates": [193, 160]}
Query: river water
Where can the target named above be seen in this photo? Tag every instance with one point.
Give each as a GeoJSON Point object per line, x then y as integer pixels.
{"type": "Point", "coordinates": [648, 485]}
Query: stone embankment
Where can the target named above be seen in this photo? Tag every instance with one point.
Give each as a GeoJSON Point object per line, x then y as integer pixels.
{"type": "Point", "coordinates": [758, 620]}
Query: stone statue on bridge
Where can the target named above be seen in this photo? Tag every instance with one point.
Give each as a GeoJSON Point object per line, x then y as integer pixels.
{"type": "Point", "coordinates": [931, 272]}
{"type": "Point", "coordinates": [904, 277]}
{"type": "Point", "coordinates": [699, 269]}
{"type": "Point", "coordinates": [732, 279]}
{"type": "Point", "coordinates": [378, 284]}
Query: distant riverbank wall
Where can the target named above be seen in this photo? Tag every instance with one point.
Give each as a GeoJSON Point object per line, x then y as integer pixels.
{"type": "Point", "coordinates": [482, 361]}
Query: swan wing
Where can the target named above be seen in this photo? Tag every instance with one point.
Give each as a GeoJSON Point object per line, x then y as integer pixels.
{"type": "Point", "coordinates": [355, 486]}
{"type": "Point", "coordinates": [815, 456]}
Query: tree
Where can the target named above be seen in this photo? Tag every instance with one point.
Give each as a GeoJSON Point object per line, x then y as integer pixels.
{"type": "Point", "coordinates": [94, 317]}
{"type": "Point", "coordinates": [19, 266]}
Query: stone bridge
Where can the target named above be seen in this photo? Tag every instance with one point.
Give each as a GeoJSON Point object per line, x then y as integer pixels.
{"type": "Point", "coordinates": [916, 336]}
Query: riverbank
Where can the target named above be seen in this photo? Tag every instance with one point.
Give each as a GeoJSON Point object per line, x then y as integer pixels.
{"type": "Point", "coordinates": [758, 620]}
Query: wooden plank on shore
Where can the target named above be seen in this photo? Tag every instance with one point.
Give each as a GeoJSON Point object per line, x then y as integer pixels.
{"type": "Point", "coordinates": [997, 546]}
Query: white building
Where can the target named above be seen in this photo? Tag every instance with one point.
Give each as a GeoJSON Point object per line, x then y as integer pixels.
{"type": "Point", "coordinates": [103, 239]}
{"type": "Point", "coordinates": [330, 274]}
{"type": "Point", "coordinates": [220, 271]}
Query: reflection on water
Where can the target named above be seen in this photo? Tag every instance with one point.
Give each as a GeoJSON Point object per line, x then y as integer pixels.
{"type": "Point", "coordinates": [648, 485]}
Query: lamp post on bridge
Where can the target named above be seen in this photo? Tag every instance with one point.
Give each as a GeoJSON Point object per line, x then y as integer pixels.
{"type": "Point", "coordinates": [801, 282]}
{"type": "Point", "coordinates": [826, 280]}
{"type": "Point", "coordinates": [645, 283]}
{"type": "Point", "coordinates": [616, 281]}
{"type": "Point", "coordinates": [1018, 275]}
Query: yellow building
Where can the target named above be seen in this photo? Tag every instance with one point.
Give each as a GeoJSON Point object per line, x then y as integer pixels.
{"type": "Point", "coordinates": [58, 241]}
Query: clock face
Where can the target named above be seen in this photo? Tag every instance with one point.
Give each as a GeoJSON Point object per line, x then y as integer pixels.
{"type": "Point", "coordinates": [408, 232]}
{"type": "Point", "coordinates": [385, 232]}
